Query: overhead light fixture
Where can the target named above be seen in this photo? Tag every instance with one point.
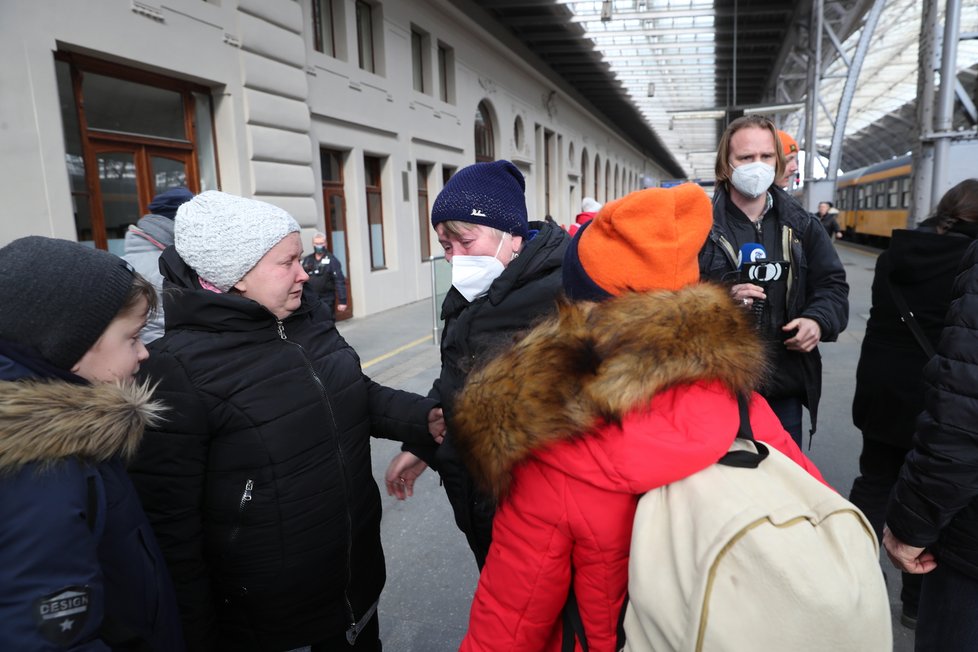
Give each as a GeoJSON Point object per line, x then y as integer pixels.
{"type": "Point", "coordinates": [606, 10]}
{"type": "Point", "coordinates": [699, 114]}
{"type": "Point", "coordinates": [773, 109]}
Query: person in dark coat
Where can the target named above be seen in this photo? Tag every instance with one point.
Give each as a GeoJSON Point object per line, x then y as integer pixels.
{"type": "Point", "coordinates": [920, 265]}
{"type": "Point", "coordinates": [505, 276]}
{"type": "Point", "coordinates": [932, 520]}
{"type": "Point", "coordinates": [828, 216]}
{"type": "Point", "coordinates": [809, 302]}
{"type": "Point", "coordinates": [80, 568]}
{"type": "Point", "coordinates": [325, 275]}
{"type": "Point", "coordinates": [258, 482]}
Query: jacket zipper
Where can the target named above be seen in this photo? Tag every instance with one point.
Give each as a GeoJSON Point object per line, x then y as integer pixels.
{"type": "Point", "coordinates": [245, 499]}
{"type": "Point", "coordinates": [339, 452]}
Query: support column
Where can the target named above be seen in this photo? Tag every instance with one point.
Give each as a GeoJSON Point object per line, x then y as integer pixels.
{"type": "Point", "coordinates": [923, 151]}
{"type": "Point", "coordinates": [944, 116]}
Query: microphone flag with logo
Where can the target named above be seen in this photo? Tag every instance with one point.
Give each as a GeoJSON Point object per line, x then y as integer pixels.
{"type": "Point", "coordinates": [755, 267]}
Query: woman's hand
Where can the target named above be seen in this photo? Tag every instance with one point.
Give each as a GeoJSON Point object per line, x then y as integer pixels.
{"type": "Point", "coordinates": [401, 473]}
{"type": "Point", "coordinates": [907, 558]}
{"type": "Point", "coordinates": [436, 424]}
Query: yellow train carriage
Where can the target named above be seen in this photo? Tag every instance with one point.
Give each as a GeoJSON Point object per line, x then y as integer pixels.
{"type": "Point", "coordinates": [874, 200]}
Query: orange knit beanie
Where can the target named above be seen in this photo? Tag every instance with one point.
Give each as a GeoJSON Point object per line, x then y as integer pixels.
{"type": "Point", "coordinates": [788, 144]}
{"type": "Point", "coordinates": [647, 240]}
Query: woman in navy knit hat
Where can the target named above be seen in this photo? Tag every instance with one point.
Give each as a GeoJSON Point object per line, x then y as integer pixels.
{"type": "Point", "coordinates": [505, 276]}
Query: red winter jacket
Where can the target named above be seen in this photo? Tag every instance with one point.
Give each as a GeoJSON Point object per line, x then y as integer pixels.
{"type": "Point", "coordinates": [581, 220]}
{"type": "Point", "coordinates": [589, 411]}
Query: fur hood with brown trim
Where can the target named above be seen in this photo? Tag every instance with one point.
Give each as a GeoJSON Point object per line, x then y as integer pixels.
{"type": "Point", "coordinates": [44, 421]}
{"type": "Point", "coordinates": [593, 364]}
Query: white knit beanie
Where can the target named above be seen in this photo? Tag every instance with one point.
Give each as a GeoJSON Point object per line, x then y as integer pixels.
{"type": "Point", "coordinates": [223, 236]}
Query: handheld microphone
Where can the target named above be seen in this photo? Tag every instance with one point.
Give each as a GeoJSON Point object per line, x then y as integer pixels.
{"type": "Point", "coordinates": [750, 253]}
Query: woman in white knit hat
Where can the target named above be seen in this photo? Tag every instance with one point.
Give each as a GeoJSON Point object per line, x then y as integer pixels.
{"type": "Point", "coordinates": [258, 483]}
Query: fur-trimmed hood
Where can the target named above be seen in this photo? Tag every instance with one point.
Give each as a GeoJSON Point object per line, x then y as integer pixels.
{"type": "Point", "coordinates": [44, 421]}
{"type": "Point", "coordinates": [597, 363]}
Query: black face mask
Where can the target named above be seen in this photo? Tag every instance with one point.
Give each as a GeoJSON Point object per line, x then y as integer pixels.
{"type": "Point", "coordinates": [319, 249]}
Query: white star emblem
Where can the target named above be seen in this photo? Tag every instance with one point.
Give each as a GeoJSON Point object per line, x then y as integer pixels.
{"type": "Point", "coordinates": [67, 624]}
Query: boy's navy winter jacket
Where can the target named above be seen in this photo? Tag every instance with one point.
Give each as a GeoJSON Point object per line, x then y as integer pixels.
{"type": "Point", "coordinates": [80, 568]}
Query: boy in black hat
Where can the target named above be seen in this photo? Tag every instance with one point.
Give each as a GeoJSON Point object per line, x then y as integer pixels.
{"type": "Point", "coordinates": [79, 564]}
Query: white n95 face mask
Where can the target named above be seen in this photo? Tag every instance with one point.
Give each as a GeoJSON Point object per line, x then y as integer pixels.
{"type": "Point", "coordinates": [472, 275]}
{"type": "Point", "coordinates": [753, 179]}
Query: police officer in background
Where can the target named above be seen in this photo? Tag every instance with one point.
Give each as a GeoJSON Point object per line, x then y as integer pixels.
{"type": "Point", "coordinates": [325, 275]}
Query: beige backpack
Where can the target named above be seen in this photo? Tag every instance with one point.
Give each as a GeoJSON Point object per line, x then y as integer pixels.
{"type": "Point", "coordinates": [759, 559]}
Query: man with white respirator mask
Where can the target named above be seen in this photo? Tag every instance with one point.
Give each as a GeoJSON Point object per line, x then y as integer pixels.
{"type": "Point", "coordinates": [505, 277]}
{"type": "Point", "coordinates": [806, 304]}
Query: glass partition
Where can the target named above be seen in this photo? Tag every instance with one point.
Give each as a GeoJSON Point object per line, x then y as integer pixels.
{"type": "Point", "coordinates": [441, 283]}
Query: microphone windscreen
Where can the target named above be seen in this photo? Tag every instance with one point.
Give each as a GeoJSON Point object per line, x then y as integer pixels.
{"type": "Point", "coordinates": [750, 252]}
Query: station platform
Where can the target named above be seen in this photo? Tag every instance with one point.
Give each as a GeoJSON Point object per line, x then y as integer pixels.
{"type": "Point", "coordinates": [431, 574]}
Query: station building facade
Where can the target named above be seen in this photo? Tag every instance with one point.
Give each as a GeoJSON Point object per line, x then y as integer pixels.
{"type": "Point", "coordinates": [350, 114]}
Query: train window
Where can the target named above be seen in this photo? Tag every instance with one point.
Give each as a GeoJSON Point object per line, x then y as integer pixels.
{"type": "Point", "coordinates": [905, 192]}
{"type": "Point", "coordinates": [861, 197]}
{"type": "Point", "coordinates": [881, 194]}
{"type": "Point", "coordinates": [893, 194]}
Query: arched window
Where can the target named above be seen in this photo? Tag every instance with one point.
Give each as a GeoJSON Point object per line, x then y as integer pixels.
{"type": "Point", "coordinates": [484, 147]}
{"type": "Point", "coordinates": [607, 181]}
{"type": "Point", "coordinates": [617, 186]}
{"type": "Point", "coordinates": [597, 175]}
{"type": "Point", "coordinates": [584, 172]}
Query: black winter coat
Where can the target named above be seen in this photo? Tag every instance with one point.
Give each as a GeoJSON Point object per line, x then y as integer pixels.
{"type": "Point", "coordinates": [525, 292]}
{"type": "Point", "coordinates": [259, 483]}
{"type": "Point", "coordinates": [326, 278]}
{"type": "Point", "coordinates": [816, 289]}
{"type": "Point", "coordinates": [889, 383]}
{"type": "Point", "coordinates": [935, 501]}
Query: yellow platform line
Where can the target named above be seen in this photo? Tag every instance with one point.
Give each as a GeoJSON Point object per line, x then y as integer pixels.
{"type": "Point", "coordinates": [400, 349]}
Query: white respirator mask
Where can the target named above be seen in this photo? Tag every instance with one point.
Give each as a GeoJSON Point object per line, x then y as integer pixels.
{"type": "Point", "coordinates": [753, 179]}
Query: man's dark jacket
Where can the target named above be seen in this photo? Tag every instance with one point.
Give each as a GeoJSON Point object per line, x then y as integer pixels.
{"type": "Point", "coordinates": [935, 502]}
{"type": "Point", "coordinates": [326, 278]}
{"type": "Point", "coordinates": [524, 293]}
{"type": "Point", "coordinates": [816, 287]}
{"type": "Point", "coordinates": [258, 484]}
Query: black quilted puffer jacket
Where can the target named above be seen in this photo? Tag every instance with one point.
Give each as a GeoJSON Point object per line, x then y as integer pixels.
{"type": "Point", "coordinates": [259, 483]}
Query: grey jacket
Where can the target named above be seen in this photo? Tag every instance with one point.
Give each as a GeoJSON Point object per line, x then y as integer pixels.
{"type": "Point", "coordinates": [143, 252]}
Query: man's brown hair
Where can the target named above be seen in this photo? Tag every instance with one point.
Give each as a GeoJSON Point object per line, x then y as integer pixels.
{"type": "Point", "coordinates": [723, 167]}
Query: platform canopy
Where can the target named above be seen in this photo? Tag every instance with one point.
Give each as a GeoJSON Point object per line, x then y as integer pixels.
{"type": "Point", "coordinates": [672, 73]}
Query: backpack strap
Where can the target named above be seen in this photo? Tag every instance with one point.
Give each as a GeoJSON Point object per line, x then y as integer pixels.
{"type": "Point", "coordinates": [906, 315]}
{"type": "Point", "coordinates": [743, 458]}
{"type": "Point", "coordinates": [573, 625]}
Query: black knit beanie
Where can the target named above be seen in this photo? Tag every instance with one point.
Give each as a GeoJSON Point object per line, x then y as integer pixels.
{"type": "Point", "coordinates": [58, 297]}
{"type": "Point", "coordinates": [490, 194]}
